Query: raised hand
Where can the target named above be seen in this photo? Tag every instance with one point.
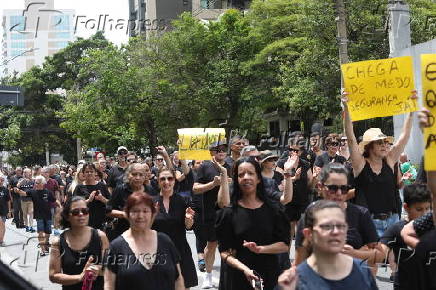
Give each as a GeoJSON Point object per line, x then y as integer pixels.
{"type": "Point", "coordinates": [221, 168]}
{"type": "Point", "coordinates": [189, 213]}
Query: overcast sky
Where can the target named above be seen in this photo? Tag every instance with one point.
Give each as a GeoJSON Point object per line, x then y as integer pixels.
{"type": "Point", "coordinates": [86, 9]}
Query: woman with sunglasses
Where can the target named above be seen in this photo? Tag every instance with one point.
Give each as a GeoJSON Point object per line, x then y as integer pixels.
{"type": "Point", "coordinates": [328, 267]}
{"type": "Point", "coordinates": [361, 237]}
{"type": "Point", "coordinates": [77, 253]}
{"type": "Point", "coordinates": [374, 169]}
{"type": "Point", "coordinates": [96, 195]}
{"type": "Point", "coordinates": [173, 218]}
{"type": "Point", "coordinates": [150, 259]}
{"type": "Point", "coordinates": [252, 230]}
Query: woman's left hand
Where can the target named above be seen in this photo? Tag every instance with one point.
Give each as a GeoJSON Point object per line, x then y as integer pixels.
{"type": "Point", "coordinates": [189, 213]}
{"type": "Point", "coordinates": [252, 246]}
{"type": "Point", "coordinates": [292, 162]}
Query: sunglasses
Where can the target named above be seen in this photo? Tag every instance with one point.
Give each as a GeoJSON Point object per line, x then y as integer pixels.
{"type": "Point", "coordinates": [162, 179]}
{"type": "Point", "coordinates": [381, 142]}
{"type": "Point", "coordinates": [220, 150]}
{"type": "Point", "coordinates": [294, 150]}
{"type": "Point", "coordinates": [334, 188]}
{"type": "Point", "coordinates": [159, 159]}
{"type": "Point", "coordinates": [77, 211]}
{"type": "Point", "coordinates": [334, 144]}
{"type": "Point", "coordinates": [122, 152]}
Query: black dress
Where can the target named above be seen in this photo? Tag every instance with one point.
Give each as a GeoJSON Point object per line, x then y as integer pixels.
{"type": "Point", "coordinates": [73, 261]}
{"type": "Point", "coordinates": [172, 223]}
{"type": "Point", "coordinates": [131, 274]}
{"type": "Point", "coordinates": [264, 226]}
{"type": "Point", "coordinates": [97, 209]}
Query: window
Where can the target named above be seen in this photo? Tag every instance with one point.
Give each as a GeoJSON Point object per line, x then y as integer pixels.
{"type": "Point", "coordinates": [274, 128]}
{"type": "Point", "coordinates": [18, 44]}
{"type": "Point", "coordinates": [17, 23]}
{"type": "Point", "coordinates": [210, 4]}
{"type": "Point", "coordinates": [60, 22]}
{"type": "Point", "coordinates": [62, 35]}
{"type": "Point", "coordinates": [60, 44]}
{"type": "Point", "coordinates": [18, 36]}
{"type": "Point", "coordinates": [16, 52]}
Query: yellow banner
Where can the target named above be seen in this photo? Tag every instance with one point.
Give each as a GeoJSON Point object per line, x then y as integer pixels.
{"type": "Point", "coordinates": [428, 71]}
{"type": "Point", "coordinates": [379, 88]}
{"type": "Point", "coordinates": [194, 142]}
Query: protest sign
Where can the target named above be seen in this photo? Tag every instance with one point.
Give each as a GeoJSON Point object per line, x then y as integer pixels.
{"type": "Point", "coordinates": [428, 72]}
{"type": "Point", "coordinates": [194, 142]}
{"type": "Point", "coordinates": [379, 88]}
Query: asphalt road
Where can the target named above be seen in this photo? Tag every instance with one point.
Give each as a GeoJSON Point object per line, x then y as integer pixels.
{"type": "Point", "coordinates": [21, 253]}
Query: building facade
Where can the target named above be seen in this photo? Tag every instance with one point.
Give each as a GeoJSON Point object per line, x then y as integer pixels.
{"type": "Point", "coordinates": [33, 33]}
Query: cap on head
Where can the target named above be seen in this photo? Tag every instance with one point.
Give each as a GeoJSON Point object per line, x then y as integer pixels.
{"type": "Point", "coordinates": [217, 144]}
{"type": "Point", "coordinates": [121, 148]}
{"type": "Point", "coordinates": [267, 154]}
{"type": "Point", "coordinates": [250, 150]}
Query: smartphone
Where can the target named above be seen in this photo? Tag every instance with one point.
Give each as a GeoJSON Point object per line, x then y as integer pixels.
{"type": "Point", "coordinates": [257, 284]}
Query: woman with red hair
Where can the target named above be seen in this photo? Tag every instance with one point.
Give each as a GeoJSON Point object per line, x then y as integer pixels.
{"type": "Point", "coordinates": [142, 258]}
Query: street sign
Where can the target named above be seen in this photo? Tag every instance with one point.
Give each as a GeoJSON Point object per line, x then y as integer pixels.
{"type": "Point", "coordinates": [11, 96]}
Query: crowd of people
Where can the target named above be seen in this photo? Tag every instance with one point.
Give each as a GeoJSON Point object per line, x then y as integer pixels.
{"type": "Point", "coordinates": [348, 206]}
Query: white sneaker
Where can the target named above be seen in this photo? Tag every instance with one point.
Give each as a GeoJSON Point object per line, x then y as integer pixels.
{"type": "Point", "coordinates": [207, 282]}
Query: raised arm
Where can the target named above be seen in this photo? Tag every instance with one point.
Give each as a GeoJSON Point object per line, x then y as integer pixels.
{"type": "Point", "coordinates": [357, 160]}
{"type": "Point", "coordinates": [400, 144]}
{"type": "Point", "coordinates": [288, 191]}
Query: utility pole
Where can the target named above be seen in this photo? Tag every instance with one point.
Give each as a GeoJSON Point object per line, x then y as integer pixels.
{"type": "Point", "coordinates": [341, 24]}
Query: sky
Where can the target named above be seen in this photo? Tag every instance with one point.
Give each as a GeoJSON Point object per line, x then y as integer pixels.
{"type": "Point", "coordinates": [85, 11]}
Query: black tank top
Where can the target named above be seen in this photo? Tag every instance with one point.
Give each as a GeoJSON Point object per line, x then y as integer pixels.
{"type": "Point", "coordinates": [73, 262]}
{"type": "Point", "coordinates": [377, 192]}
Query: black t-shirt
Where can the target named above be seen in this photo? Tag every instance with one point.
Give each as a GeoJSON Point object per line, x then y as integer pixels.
{"type": "Point", "coordinates": [115, 176]}
{"type": "Point", "coordinates": [4, 199]}
{"type": "Point", "coordinates": [361, 229]}
{"type": "Point", "coordinates": [97, 209]}
{"type": "Point", "coordinates": [186, 184]}
{"type": "Point", "coordinates": [26, 185]}
{"type": "Point", "coordinates": [131, 274]}
{"type": "Point", "coordinates": [206, 174]}
{"type": "Point", "coordinates": [41, 203]}
{"type": "Point", "coordinates": [392, 238]}
{"type": "Point", "coordinates": [324, 159]}
{"type": "Point", "coordinates": [417, 269]}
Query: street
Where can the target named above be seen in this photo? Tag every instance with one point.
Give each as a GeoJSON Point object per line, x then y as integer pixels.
{"type": "Point", "coordinates": [21, 253]}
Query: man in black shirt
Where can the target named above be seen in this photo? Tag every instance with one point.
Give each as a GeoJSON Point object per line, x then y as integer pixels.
{"type": "Point", "coordinates": [236, 145]}
{"type": "Point", "coordinates": [208, 184]}
{"type": "Point", "coordinates": [116, 173]}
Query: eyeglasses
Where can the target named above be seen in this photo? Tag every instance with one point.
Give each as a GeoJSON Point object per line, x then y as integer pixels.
{"type": "Point", "coordinates": [159, 159]}
{"type": "Point", "coordinates": [131, 160]}
{"type": "Point", "coordinates": [334, 144]}
{"type": "Point", "coordinates": [294, 150]}
{"type": "Point", "coordinates": [77, 211]}
{"type": "Point", "coordinates": [169, 178]}
{"type": "Point", "coordinates": [122, 152]}
{"type": "Point", "coordinates": [334, 188]}
{"type": "Point", "coordinates": [331, 227]}
{"type": "Point", "coordinates": [38, 182]}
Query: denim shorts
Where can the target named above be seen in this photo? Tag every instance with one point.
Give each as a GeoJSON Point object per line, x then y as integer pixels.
{"type": "Point", "coordinates": [43, 226]}
{"type": "Point", "coordinates": [382, 225]}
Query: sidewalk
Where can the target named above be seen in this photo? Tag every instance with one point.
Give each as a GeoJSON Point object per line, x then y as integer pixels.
{"type": "Point", "coordinates": [21, 254]}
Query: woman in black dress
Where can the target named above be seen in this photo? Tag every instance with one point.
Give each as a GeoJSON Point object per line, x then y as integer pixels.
{"type": "Point", "coordinates": [174, 217]}
{"type": "Point", "coordinates": [96, 195]}
{"type": "Point", "coordinates": [78, 249]}
{"type": "Point", "coordinates": [142, 258]}
{"type": "Point", "coordinates": [252, 231]}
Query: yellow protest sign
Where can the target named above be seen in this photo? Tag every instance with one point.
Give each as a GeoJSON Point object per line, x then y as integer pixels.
{"type": "Point", "coordinates": [194, 142]}
{"type": "Point", "coordinates": [379, 88]}
{"type": "Point", "coordinates": [428, 73]}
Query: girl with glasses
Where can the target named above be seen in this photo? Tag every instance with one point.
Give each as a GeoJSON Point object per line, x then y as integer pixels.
{"type": "Point", "coordinates": [328, 267]}
{"type": "Point", "coordinates": [174, 217]}
{"type": "Point", "coordinates": [76, 255]}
